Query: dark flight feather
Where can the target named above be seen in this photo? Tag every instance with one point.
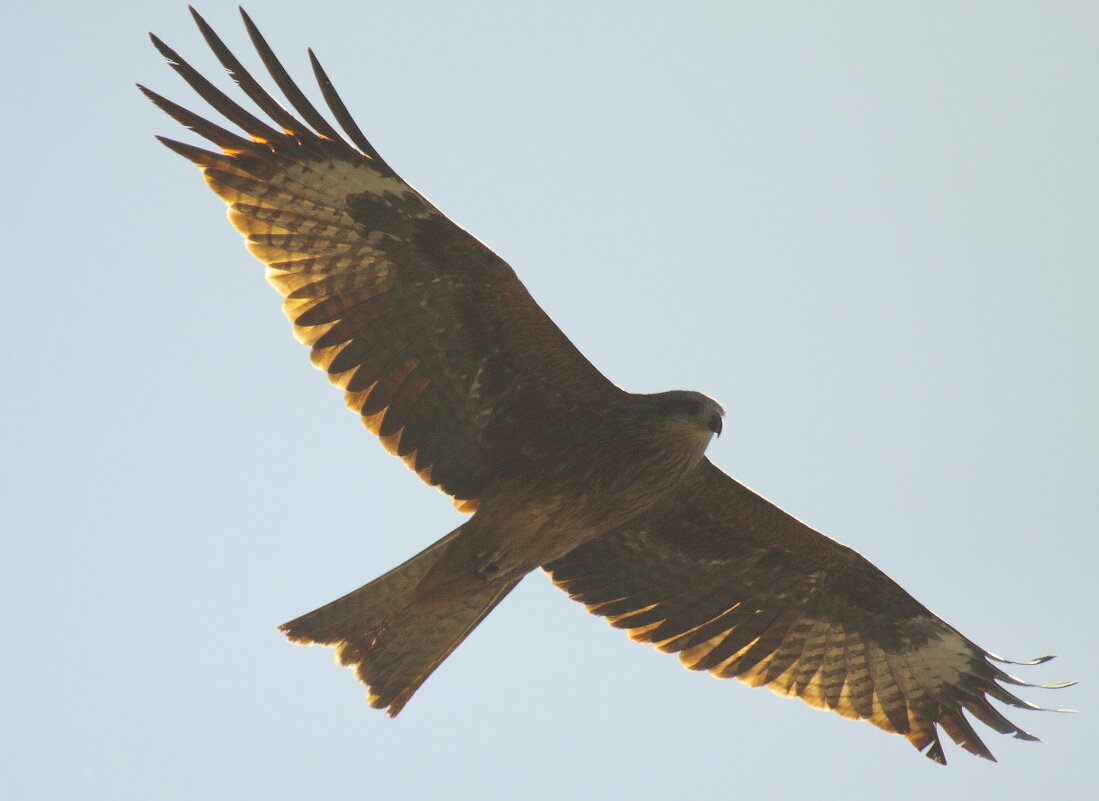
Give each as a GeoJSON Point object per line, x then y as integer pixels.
{"type": "Point", "coordinates": [739, 588]}
{"type": "Point", "coordinates": [404, 309]}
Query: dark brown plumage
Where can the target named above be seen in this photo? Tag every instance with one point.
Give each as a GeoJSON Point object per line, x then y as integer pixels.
{"type": "Point", "coordinates": [448, 359]}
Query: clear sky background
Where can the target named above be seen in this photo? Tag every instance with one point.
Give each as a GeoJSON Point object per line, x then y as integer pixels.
{"type": "Point", "coordinates": [868, 229]}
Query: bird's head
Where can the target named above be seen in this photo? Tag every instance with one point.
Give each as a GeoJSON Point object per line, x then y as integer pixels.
{"type": "Point", "coordinates": [702, 412]}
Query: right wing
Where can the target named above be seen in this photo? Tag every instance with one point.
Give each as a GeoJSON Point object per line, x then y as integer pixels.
{"type": "Point", "coordinates": [433, 338]}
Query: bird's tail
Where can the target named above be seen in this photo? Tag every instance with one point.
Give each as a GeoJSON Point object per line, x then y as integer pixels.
{"type": "Point", "coordinates": [395, 630]}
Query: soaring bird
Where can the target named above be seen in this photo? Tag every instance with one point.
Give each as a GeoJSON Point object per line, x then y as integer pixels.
{"type": "Point", "coordinates": [447, 358]}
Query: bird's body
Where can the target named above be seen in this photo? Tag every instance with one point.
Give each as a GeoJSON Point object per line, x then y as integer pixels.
{"type": "Point", "coordinates": [528, 516]}
{"type": "Point", "coordinates": [447, 358]}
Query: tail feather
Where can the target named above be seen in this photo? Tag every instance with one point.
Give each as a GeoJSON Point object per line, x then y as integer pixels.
{"type": "Point", "coordinates": [396, 662]}
{"type": "Point", "coordinates": [394, 635]}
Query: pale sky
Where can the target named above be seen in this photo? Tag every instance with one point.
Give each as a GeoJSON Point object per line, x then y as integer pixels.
{"type": "Point", "coordinates": [867, 229]}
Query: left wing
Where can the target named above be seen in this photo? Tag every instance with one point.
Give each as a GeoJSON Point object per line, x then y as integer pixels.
{"type": "Point", "coordinates": [737, 587]}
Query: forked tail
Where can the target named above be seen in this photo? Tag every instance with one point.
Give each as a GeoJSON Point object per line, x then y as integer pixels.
{"type": "Point", "coordinates": [393, 632]}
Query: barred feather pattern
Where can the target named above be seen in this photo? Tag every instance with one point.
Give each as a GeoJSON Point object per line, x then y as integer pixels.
{"type": "Point", "coordinates": [738, 588]}
{"type": "Point", "coordinates": [431, 335]}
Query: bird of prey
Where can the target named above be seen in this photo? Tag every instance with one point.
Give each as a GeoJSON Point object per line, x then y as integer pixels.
{"type": "Point", "coordinates": [447, 358]}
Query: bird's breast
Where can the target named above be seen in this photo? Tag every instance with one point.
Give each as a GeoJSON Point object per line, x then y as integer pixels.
{"type": "Point", "coordinates": [540, 512]}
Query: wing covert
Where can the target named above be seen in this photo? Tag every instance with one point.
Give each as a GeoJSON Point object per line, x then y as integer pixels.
{"type": "Point", "coordinates": [737, 587]}
{"type": "Point", "coordinates": [435, 342]}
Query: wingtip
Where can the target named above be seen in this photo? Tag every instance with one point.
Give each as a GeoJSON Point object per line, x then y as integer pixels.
{"type": "Point", "coordinates": [163, 48]}
{"type": "Point", "coordinates": [200, 21]}
{"type": "Point", "coordinates": [196, 155]}
{"type": "Point", "coordinates": [1038, 660]}
{"type": "Point", "coordinates": [1015, 680]}
{"type": "Point", "coordinates": [247, 19]}
{"type": "Point", "coordinates": [154, 97]}
{"type": "Point", "coordinates": [1019, 734]}
{"type": "Point", "coordinates": [1058, 686]}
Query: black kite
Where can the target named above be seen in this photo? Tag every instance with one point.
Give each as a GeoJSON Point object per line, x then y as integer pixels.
{"type": "Point", "coordinates": [448, 359]}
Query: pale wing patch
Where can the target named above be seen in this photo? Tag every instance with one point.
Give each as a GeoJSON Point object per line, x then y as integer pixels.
{"type": "Point", "coordinates": [343, 238]}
